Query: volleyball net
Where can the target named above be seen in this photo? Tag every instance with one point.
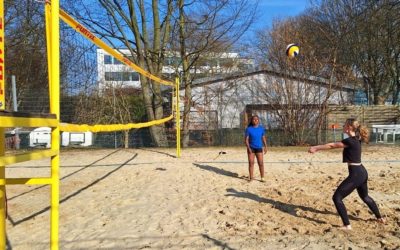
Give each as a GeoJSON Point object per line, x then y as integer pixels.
{"type": "Point", "coordinates": [98, 128]}
{"type": "Point", "coordinates": [122, 58]}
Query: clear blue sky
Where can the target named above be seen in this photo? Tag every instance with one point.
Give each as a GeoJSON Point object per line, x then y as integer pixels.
{"type": "Point", "coordinates": [269, 10]}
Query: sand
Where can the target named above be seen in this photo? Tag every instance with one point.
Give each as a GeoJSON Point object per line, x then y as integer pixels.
{"type": "Point", "coordinates": [148, 199]}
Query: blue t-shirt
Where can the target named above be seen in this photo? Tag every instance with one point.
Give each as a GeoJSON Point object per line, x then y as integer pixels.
{"type": "Point", "coordinates": [255, 135]}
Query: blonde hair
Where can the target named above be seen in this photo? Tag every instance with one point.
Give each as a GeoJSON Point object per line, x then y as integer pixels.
{"type": "Point", "coordinates": [362, 132]}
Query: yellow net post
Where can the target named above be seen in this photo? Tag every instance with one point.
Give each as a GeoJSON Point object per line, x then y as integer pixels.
{"type": "Point", "coordinates": [2, 134]}
{"type": "Point", "coordinates": [53, 35]}
{"type": "Point", "coordinates": [178, 119]}
{"type": "Point", "coordinates": [2, 65]}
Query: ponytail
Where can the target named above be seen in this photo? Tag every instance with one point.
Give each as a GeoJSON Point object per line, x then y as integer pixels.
{"type": "Point", "coordinates": [362, 132]}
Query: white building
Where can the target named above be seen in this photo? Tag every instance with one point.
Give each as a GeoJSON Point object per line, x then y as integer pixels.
{"type": "Point", "coordinates": [110, 71]}
{"type": "Point", "coordinates": [227, 98]}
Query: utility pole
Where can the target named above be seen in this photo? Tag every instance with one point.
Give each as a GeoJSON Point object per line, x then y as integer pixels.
{"type": "Point", "coordinates": [15, 109]}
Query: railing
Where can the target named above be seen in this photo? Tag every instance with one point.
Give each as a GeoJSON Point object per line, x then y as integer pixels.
{"type": "Point", "coordinates": [382, 132]}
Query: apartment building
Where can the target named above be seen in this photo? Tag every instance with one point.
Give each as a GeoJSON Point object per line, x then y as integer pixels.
{"type": "Point", "coordinates": [111, 71]}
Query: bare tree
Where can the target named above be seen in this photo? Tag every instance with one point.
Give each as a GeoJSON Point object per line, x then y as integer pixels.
{"type": "Point", "coordinates": [126, 23]}
{"type": "Point", "coordinates": [207, 28]}
{"type": "Point", "coordinates": [26, 54]}
{"type": "Point", "coordinates": [115, 104]}
{"type": "Point", "coordinates": [300, 91]}
{"type": "Point", "coordinates": [370, 35]}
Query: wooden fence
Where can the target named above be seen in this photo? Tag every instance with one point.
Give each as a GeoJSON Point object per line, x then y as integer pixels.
{"type": "Point", "coordinates": [366, 115]}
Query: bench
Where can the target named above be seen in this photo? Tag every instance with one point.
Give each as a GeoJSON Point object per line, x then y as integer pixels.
{"type": "Point", "coordinates": [382, 132]}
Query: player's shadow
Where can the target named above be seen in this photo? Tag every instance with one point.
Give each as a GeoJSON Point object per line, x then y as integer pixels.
{"type": "Point", "coordinates": [218, 243]}
{"type": "Point", "coordinates": [14, 223]}
{"type": "Point", "coordinates": [218, 170]}
{"type": "Point", "coordinates": [284, 207]}
{"type": "Point", "coordinates": [159, 152]}
{"type": "Point", "coordinates": [68, 175]}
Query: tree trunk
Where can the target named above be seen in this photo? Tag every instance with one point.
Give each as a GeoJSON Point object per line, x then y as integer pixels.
{"type": "Point", "coordinates": [157, 132]}
{"type": "Point", "coordinates": [185, 76]}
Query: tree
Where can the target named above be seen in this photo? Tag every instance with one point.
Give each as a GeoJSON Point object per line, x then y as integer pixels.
{"type": "Point", "coordinates": [207, 28]}
{"type": "Point", "coordinates": [112, 105]}
{"type": "Point", "coordinates": [26, 58]}
{"type": "Point", "coordinates": [26, 55]}
{"type": "Point", "coordinates": [125, 23]}
{"type": "Point", "coordinates": [341, 41]}
{"type": "Point", "coordinates": [369, 45]}
{"type": "Point", "coordinates": [297, 102]}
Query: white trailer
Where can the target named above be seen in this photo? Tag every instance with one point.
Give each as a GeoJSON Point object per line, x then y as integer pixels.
{"type": "Point", "coordinates": [40, 137]}
{"type": "Point", "coordinates": [84, 139]}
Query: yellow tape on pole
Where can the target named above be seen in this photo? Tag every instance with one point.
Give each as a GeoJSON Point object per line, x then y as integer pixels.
{"type": "Point", "coordinates": [89, 35]}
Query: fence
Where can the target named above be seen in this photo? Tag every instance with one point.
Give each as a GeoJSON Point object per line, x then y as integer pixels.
{"type": "Point", "coordinates": [367, 115]}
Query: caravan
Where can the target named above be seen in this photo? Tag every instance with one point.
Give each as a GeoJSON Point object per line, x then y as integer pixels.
{"type": "Point", "coordinates": [84, 139]}
{"type": "Point", "coordinates": [40, 137]}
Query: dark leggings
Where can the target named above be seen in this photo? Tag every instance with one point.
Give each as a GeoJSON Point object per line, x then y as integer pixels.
{"type": "Point", "coordinates": [357, 179]}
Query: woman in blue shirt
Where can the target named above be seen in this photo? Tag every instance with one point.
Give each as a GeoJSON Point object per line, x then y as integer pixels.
{"type": "Point", "coordinates": [256, 144]}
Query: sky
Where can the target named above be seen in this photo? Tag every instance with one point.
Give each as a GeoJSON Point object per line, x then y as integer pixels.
{"type": "Point", "coordinates": [269, 10]}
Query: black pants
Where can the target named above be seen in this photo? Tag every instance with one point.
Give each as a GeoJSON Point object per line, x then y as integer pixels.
{"type": "Point", "coordinates": [357, 179]}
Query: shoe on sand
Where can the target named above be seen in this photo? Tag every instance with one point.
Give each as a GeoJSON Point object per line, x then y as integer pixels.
{"type": "Point", "coordinates": [345, 228]}
{"type": "Point", "coordinates": [262, 179]}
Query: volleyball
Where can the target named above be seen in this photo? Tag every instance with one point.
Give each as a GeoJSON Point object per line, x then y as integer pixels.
{"type": "Point", "coordinates": [292, 50]}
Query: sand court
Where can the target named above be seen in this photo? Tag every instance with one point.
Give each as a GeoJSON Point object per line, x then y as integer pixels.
{"type": "Point", "coordinates": [148, 199]}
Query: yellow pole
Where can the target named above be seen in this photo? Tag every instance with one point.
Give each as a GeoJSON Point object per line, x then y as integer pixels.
{"type": "Point", "coordinates": [47, 13]}
{"type": "Point", "coordinates": [54, 83]}
{"type": "Point", "coordinates": [178, 119]}
{"type": "Point", "coordinates": [2, 134]}
{"type": "Point", "coordinates": [2, 194]}
{"type": "Point", "coordinates": [2, 65]}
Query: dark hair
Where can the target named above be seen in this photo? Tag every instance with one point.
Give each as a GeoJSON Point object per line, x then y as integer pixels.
{"type": "Point", "coordinates": [362, 132]}
{"type": "Point", "coordinates": [251, 120]}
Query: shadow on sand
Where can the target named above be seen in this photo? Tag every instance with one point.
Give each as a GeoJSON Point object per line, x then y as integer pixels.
{"type": "Point", "coordinates": [14, 223]}
{"type": "Point", "coordinates": [218, 170]}
{"type": "Point", "coordinates": [284, 207]}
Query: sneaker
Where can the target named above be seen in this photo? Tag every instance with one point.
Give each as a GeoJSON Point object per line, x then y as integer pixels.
{"type": "Point", "coordinates": [262, 179]}
{"type": "Point", "coordinates": [346, 228]}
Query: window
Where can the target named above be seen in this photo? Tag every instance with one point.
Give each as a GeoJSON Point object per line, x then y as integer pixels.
{"type": "Point", "coordinates": [130, 76]}
{"type": "Point", "coordinates": [107, 59]}
{"type": "Point", "coordinates": [121, 76]}
{"type": "Point", "coordinates": [111, 60]}
{"type": "Point", "coordinates": [116, 61]}
{"type": "Point", "coordinates": [113, 76]}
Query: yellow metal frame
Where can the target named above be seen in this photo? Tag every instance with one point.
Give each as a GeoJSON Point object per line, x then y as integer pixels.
{"type": "Point", "coordinates": [2, 64]}
{"type": "Point", "coordinates": [52, 35]}
{"type": "Point", "coordinates": [2, 135]}
{"type": "Point", "coordinates": [53, 13]}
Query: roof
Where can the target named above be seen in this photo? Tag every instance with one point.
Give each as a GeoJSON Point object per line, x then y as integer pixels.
{"type": "Point", "coordinates": [311, 79]}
